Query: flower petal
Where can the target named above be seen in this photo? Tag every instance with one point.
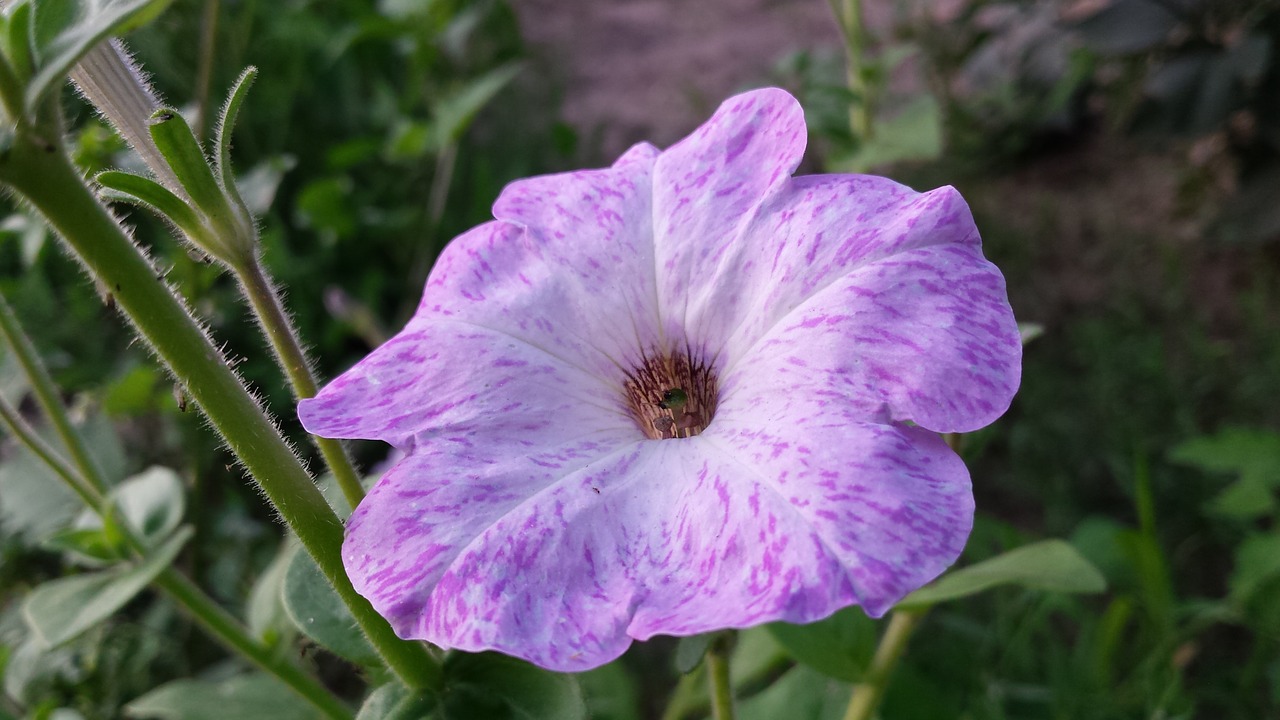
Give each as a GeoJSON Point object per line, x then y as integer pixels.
{"type": "Point", "coordinates": [662, 537]}
{"type": "Point", "coordinates": [925, 335]}
{"type": "Point", "coordinates": [432, 505]}
{"type": "Point", "coordinates": [892, 503]}
{"type": "Point", "coordinates": [577, 281]}
{"type": "Point", "coordinates": [443, 380]}
{"type": "Point", "coordinates": [815, 230]}
{"type": "Point", "coordinates": [707, 186]}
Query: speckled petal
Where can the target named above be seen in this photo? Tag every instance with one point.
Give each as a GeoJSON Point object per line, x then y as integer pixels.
{"type": "Point", "coordinates": [891, 503]}
{"type": "Point", "coordinates": [569, 267]}
{"type": "Point", "coordinates": [444, 381]}
{"type": "Point", "coordinates": [924, 335]}
{"type": "Point", "coordinates": [662, 537]}
{"type": "Point", "coordinates": [707, 187]}
{"type": "Point", "coordinates": [436, 501]}
{"type": "Point", "coordinates": [815, 230]}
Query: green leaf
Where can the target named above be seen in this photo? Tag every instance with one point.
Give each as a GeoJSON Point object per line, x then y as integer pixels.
{"type": "Point", "coordinates": [453, 115]}
{"type": "Point", "coordinates": [800, 694]}
{"type": "Point", "coordinates": [178, 144]}
{"type": "Point", "coordinates": [394, 702]}
{"type": "Point", "coordinates": [690, 651]}
{"type": "Point", "coordinates": [245, 697]}
{"type": "Point", "coordinates": [152, 502]}
{"type": "Point", "coordinates": [1251, 454]}
{"type": "Point", "coordinates": [130, 188]}
{"type": "Point", "coordinates": [226, 125]}
{"type": "Point", "coordinates": [87, 545]}
{"type": "Point", "coordinates": [610, 693]}
{"type": "Point", "coordinates": [1051, 565]}
{"type": "Point", "coordinates": [840, 646]}
{"type": "Point", "coordinates": [1028, 331]}
{"type": "Point", "coordinates": [320, 614]}
{"type": "Point", "coordinates": [59, 610]}
{"type": "Point", "coordinates": [497, 687]}
{"type": "Point", "coordinates": [1257, 561]}
{"type": "Point", "coordinates": [915, 133]}
{"type": "Point", "coordinates": [266, 614]}
{"type": "Point", "coordinates": [62, 31]}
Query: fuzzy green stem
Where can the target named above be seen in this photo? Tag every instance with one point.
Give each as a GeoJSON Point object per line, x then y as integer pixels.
{"type": "Point", "coordinates": [718, 677]}
{"type": "Point", "coordinates": [271, 314]}
{"type": "Point", "coordinates": [223, 626]}
{"type": "Point", "coordinates": [36, 168]}
{"type": "Point", "coordinates": [861, 111]}
{"type": "Point", "coordinates": [47, 395]}
{"type": "Point", "coordinates": [867, 694]}
{"type": "Point", "coordinates": [25, 434]}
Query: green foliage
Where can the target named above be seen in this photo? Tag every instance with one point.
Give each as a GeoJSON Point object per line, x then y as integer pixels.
{"type": "Point", "coordinates": [1051, 565]}
{"type": "Point", "coordinates": [252, 697]}
{"type": "Point", "coordinates": [318, 613]}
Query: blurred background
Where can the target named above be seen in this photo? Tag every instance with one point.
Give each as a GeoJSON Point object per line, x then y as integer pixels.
{"type": "Point", "coordinates": [1122, 158]}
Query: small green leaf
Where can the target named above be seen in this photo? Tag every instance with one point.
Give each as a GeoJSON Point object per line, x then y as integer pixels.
{"type": "Point", "coordinates": [181, 150]}
{"type": "Point", "coordinates": [840, 646]}
{"type": "Point", "coordinates": [1051, 565]}
{"type": "Point", "coordinates": [127, 187]}
{"type": "Point", "coordinates": [265, 614]}
{"type": "Point", "coordinates": [800, 693]}
{"type": "Point", "coordinates": [690, 651]}
{"type": "Point", "coordinates": [1257, 561]}
{"type": "Point", "coordinates": [497, 687]}
{"type": "Point", "coordinates": [394, 702]}
{"type": "Point", "coordinates": [1028, 331]}
{"type": "Point", "coordinates": [59, 610]}
{"type": "Point", "coordinates": [17, 40]}
{"type": "Point", "coordinates": [246, 697]}
{"type": "Point", "coordinates": [152, 502]}
{"type": "Point", "coordinates": [320, 614]}
{"type": "Point", "coordinates": [88, 545]}
{"type": "Point", "coordinates": [226, 125]}
{"type": "Point", "coordinates": [453, 115]}
{"type": "Point", "coordinates": [610, 692]}
{"type": "Point", "coordinates": [62, 31]}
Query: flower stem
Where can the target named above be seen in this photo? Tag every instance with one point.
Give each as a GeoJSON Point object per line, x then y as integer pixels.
{"type": "Point", "coordinates": [47, 395]}
{"type": "Point", "coordinates": [36, 167]}
{"type": "Point", "coordinates": [861, 111]}
{"type": "Point", "coordinates": [223, 626]}
{"type": "Point", "coordinates": [201, 608]}
{"type": "Point", "coordinates": [867, 695]}
{"type": "Point", "coordinates": [271, 314]}
{"type": "Point", "coordinates": [718, 677]}
{"type": "Point", "coordinates": [25, 434]}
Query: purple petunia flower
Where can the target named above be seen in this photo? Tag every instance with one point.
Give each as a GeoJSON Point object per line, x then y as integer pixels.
{"type": "Point", "coordinates": [683, 393]}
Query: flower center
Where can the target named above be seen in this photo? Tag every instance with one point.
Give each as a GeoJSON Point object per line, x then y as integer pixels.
{"type": "Point", "coordinates": [672, 396]}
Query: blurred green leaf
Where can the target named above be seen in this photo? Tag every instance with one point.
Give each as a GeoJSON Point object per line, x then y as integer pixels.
{"type": "Point", "coordinates": [246, 697]}
{"type": "Point", "coordinates": [800, 694]}
{"type": "Point", "coordinates": [1252, 454]}
{"type": "Point", "coordinates": [266, 614]}
{"type": "Point", "coordinates": [64, 30]}
{"type": "Point", "coordinates": [89, 545]}
{"type": "Point", "coordinates": [610, 692]}
{"type": "Point", "coordinates": [59, 610]}
{"type": "Point", "coordinates": [1028, 331]}
{"type": "Point", "coordinates": [915, 133]}
{"type": "Point", "coordinates": [152, 502]}
{"type": "Point", "coordinates": [690, 651]}
{"type": "Point", "coordinates": [1257, 561]}
{"type": "Point", "coordinates": [452, 115]}
{"type": "Point", "coordinates": [320, 614]}
{"type": "Point", "coordinates": [1051, 565]}
{"type": "Point", "coordinates": [34, 502]}
{"type": "Point", "coordinates": [497, 687]}
{"type": "Point", "coordinates": [840, 646]}
{"type": "Point", "coordinates": [392, 702]}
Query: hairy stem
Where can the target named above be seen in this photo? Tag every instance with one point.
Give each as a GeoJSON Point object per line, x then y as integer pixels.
{"type": "Point", "coordinates": [38, 169]}
{"type": "Point", "coordinates": [867, 694]}
{"type": "Point", "coordinates": [47, 395]}
{"type": "Point", "coordinates": [718, 676]}
{"type": "Point", "coordinates": [271, 314]}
